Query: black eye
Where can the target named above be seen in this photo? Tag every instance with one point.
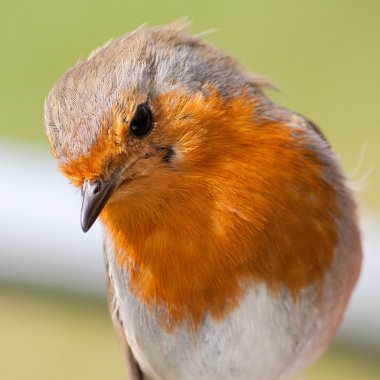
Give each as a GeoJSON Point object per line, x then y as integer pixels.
{"type": "Point", "coordinates": [142, 121]}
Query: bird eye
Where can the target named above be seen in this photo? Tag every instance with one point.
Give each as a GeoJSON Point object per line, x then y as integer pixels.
{"type": "Point", "coordinates": [142, 121]}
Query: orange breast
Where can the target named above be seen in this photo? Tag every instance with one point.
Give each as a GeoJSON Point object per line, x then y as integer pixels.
{"type": "Point", "coordinates": [248, 204]}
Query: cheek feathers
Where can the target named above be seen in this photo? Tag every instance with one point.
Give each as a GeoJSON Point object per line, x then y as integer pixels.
{"type": "Point", "coordinates": [105, 153]}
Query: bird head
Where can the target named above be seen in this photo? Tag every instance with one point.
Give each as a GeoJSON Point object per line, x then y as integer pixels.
{"type": "Point", "coordinates": [140, 117]}
{"type": "Point", "coordinates": [191, 167]}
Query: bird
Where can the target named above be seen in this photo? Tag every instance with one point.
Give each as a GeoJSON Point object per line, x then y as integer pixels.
{"type": "Point", "coordinates": [231, 236]}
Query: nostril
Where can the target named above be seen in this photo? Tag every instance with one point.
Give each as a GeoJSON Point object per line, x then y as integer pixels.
{"type": "Point", "coordinates": [96, 186]}
{"type": "Point", "coordinates": [92, 187]}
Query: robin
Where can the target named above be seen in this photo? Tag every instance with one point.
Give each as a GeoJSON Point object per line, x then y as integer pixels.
{"type": "Point", "coordinates": [231, 237]}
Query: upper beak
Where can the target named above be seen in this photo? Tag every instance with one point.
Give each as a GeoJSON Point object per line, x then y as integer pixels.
{"type": "Point", "coordinates": [95, 196]}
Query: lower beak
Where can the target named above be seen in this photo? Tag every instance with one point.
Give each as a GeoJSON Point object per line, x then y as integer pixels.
{"type": "Point", "coordinates": [95, 196]}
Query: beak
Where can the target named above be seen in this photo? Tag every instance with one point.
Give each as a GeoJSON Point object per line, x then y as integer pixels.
{"type": "Point", "coordinates": [95, 196]}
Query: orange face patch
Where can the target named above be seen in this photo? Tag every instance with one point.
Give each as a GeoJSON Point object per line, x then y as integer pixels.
{"type": "Point", "coordinates": [107, 153]}
{"type": "Point", "coordinates": [246, 202]}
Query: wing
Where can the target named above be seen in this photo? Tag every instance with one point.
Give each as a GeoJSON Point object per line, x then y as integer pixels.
{"type": "Point", "coordinates": [132, 369]}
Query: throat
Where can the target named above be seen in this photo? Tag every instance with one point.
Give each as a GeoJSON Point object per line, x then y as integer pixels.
{"type": "Point", "coordinates": [177, 274]}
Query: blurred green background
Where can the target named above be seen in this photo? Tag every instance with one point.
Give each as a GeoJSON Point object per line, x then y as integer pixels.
{"type": "Point", "coordinates": [324, 56]}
